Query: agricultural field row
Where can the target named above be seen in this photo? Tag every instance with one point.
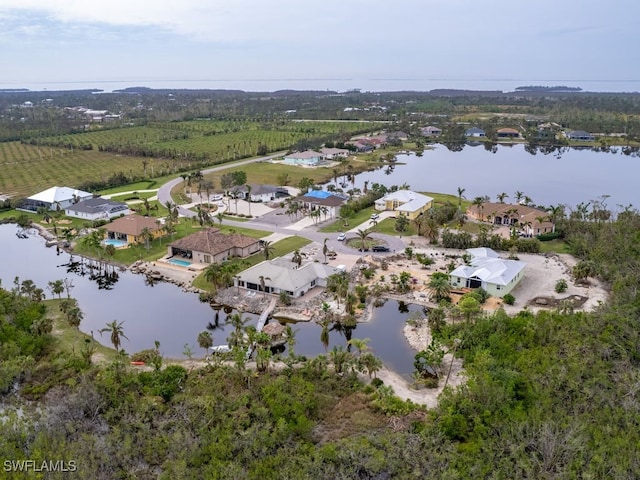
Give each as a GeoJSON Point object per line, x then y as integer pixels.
{"type": "Point", "coordinates": [25, 170]}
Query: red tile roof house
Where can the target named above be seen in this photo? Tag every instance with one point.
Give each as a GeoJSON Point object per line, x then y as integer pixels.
{"type": "Point", "coordinates": [130, 228]}
{"type": "Point", "coordinates": [209, 246]}
{"type": "Point", "coordinates": [507, 133]}
{"type": "Point", "coordinates": [531, 221]}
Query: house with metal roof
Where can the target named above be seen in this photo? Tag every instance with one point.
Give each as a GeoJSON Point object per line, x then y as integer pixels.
{"type": "Point", "coordinates": [405, 202]}
{"type": "Point", "coordinates": [283, 275]}
{"type": "Point", "coordinates": [431, 131]}
{"type": "Point", "coordinates": [54, 198]}
{"type": "Point", "coordinates": [97, 209]}
{"type": "Point", "coordinates": [475, 132]}
{"type": "Point", "coordinates": [308, 158]}
{"type": "Point", "coordinates": [487, 270]}
{"type": "Point", "coordinates": [261, 193]}
{"type": "Point", "coordinates": [580, 135]}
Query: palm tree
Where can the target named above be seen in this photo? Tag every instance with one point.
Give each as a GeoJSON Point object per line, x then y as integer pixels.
{"type": "Point", "coordinates": [401, 223]}
{"type": "Point", "coordinates": [220, 217]}
{"type": "Point", "coordinates": [440, 286]}
{"type": "Point", "coordinates": [325, 249]}
{"type": "Point", "coordinates": [460, 196]}
{"type": "Point", "coordinates": [297, 257]}
{"type": "Point", "coordinates": [57, 288]}
{"type": "Point", "coordinates": [479, 202]}
{"type": "Point", "coordinates": [263, 285]}
{"type": "Point", "coordinates": [501, 197]}
{"type": "Point", "coordinates": [519, 195]}
{"type": "Point", "coordinates": [363, 235]}
{"type": "Point", "coordinates": [146, 236]}
{"type": "Point", "coordinates": [419, 222]}
{"type": "Point", "coordinates": [205, 340]}
{"type": "Point", "coordinates": [360, 344]}
{"type": "Point", "coordinates": [116, 331]}
{"type": "Point", "coordinates": [248, 197]}
{"type": "Point", "coordinates": [268, 249]}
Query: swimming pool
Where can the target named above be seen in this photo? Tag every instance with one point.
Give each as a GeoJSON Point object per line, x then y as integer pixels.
{"type": "Point", "coordinates": [182, 263]}
{"type": "Point", "coordinates": [114, 242]}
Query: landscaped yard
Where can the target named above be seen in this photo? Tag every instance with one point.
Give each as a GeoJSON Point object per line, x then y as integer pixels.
{"type": "Point", "coordinates": [357, 219]}
{"type": "Point", "coordinates": [280, 248]}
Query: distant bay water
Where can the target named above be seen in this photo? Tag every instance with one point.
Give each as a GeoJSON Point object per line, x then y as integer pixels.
{"type": "Point", "coordinates": [346, 83]}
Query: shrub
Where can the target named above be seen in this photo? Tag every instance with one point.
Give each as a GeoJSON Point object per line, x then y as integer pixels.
{"type": "Point", "coordinates": [545, 237]}
{"type": "Point", "coordinates": [561, 286]}
{"type": "Point", "coordinates": [509, 299]}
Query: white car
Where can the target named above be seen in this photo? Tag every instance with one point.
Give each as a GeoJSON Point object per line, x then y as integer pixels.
{"type": "Point", "coordinates": [215, 198]}
{"type": "Point", "coordinates": [342, 237]}
{"type": "Point", "coordinates": [375, 216]}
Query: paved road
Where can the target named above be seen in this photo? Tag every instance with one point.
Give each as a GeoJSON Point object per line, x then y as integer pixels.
{"type": "Point", "coordinates": [280, 224]}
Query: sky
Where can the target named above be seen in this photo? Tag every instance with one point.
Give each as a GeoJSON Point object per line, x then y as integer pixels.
{"type": "Point", "coordinates": [320, 44]}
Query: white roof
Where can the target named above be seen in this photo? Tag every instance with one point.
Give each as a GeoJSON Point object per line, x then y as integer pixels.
{"type": "Point", "coordinates": [285, 274]}
{"type": "Point", "coordinates": [59, 194]}
{"type": "Point", "coordinates": [304, 155]}
{"type": "Point", "coordinates": [410, 200]}
{"type": "Point", "coordinates": [488, 267]}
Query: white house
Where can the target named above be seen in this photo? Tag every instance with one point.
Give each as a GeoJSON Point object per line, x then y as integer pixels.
{"type": "Point", "coordinates": [488, 271]}
{"type": "Point", "coordinates": [475, 132]}
{"type": "Point", "coordinates": [54, 198]}
{"type": "Point", "coordinates": [283, 275]}
{"type": "Point", "coordinates": [308, 158]}
{"type": "Point", "coordinates": [97, 209]}
{"type": "Point", "coordinates": [262, 193]}
{"type": "Point", "coordinates": [405, 202]}
{"type": "Point", "coordinates": [332, 153]}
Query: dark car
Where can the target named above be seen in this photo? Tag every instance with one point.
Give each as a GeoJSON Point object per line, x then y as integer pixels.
{"type": "Point", "coordinates": [379, 248]}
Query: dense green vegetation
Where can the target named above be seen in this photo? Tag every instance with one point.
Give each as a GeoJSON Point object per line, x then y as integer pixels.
{"type": "Point", "coordinates": [549, 395]}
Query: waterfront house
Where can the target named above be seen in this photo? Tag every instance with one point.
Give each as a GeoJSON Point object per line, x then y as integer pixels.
{"type": "Point", "coordinates": [431, 131]}
{"type": "Point", "coordinates": [130, 228]}
{"type": "Point", "coordinates": [507, 133]}
{"type": "Point", "coordinates": [283, 275]}
{"type": "Point", "coordinates": [333, 153]}
{"type": "Point", "coordinates": [308, 158]}
{"type": "Point", "coordinates": [487, 270]}
{"type": "Point", "coordinates": [210, 245]}
{"type": "Point", "coordinates": [530, 221]}
{"type": "Point", "coordinates": [54, 198]}
{"type": "Point", "coordinates": [405, 202]}
{"type": "Point", "coordinates": [475, 132]}
{"type": "Point", "coordinates": [580, 135]}
{"type": "Point", "coordinates": [97, 209]}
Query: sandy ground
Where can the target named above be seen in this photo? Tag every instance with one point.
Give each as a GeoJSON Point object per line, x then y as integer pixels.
{"type": "Point", "coordinates": [541, 275]}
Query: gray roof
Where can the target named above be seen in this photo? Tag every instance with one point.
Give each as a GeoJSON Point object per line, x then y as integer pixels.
{"type": "Point", "coordinates": [285, 274]}
{"type": "Point", "coordinates": [98, 205]}
{"type": "Point", "coordinates": [59, 194]}
{"type": "Point", "coordinates": [474, 130]}
{"type": "Point", "coordinates": [488, 267]}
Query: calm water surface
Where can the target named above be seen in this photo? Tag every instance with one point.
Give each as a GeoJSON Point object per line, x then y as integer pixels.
{"type": "Point", "coordinates": [165, 313]}
{"type": "Point", "coordinates": [569, 176]}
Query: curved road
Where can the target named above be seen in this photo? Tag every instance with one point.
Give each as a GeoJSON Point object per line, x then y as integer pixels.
{"type": "Point", "coordinates": [395, 244]}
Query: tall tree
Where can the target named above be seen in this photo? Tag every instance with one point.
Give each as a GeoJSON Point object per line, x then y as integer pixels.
{"type": "Point", "coordinates": [205, 340]}
{"type": "Point", "coordinates": [116, 333]}
{"type": "Point", "coordinates": [268, 249]}
{"type": "Point", "coordinates": [461, 196]}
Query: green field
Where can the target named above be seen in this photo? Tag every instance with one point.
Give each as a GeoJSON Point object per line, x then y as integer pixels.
{"type": "Point", "coordinates": [160, 149]}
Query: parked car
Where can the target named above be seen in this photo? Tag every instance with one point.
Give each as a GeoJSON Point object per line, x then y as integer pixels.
{"type": "Point", "coordinates": [379, 248]}
{"type": "Point", "coordinates": [342, 237]}
{"type": "Point", "coordinates": [215, 198]}
{"type": "Point", "coordinates": [375, 216]}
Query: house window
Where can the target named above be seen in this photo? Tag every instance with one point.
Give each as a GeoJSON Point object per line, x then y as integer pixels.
{"type": "Point", "coordinates": [313, 282]}
{"type": "Point", "coordinates": [207, 259]}
{"type": "Point", "coordinates": [498, 287]}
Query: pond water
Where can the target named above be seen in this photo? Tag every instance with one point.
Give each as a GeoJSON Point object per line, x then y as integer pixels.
{"type": "Point", "coordinates": [165, 313]}
{"type": "Point", "coordinates": [549, 177]}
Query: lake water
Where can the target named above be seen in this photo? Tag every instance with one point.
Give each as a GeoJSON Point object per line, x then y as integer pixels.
{"type": "Point", "coordinates": [165, 313]}
{"type": "Point", "coordinates": [569, 176]}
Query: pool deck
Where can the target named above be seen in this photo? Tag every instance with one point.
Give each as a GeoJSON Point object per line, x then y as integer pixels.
{"type": "Point", "coordinates": [193, 267]}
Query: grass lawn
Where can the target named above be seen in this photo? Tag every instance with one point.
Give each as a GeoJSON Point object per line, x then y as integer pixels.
{"type": "Point", "coordinates": [282, 247]}
{"type": "Point", "coordinates": [555, 246]}
{"type": "Point", "coordinates": [388, 226]}
{"type": "Point", "coordinates": [152, 183]}
{"type": "Point", "coordinates": [70, 340]}
{"type": "Point", "coordinates": [158, 247]}
{"type": "Point", "coordinates": [443, 198]}
{"type": "Point", "coordinates": [357, 219]}
{"type": "Point", "coordinates": [133, 196]}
